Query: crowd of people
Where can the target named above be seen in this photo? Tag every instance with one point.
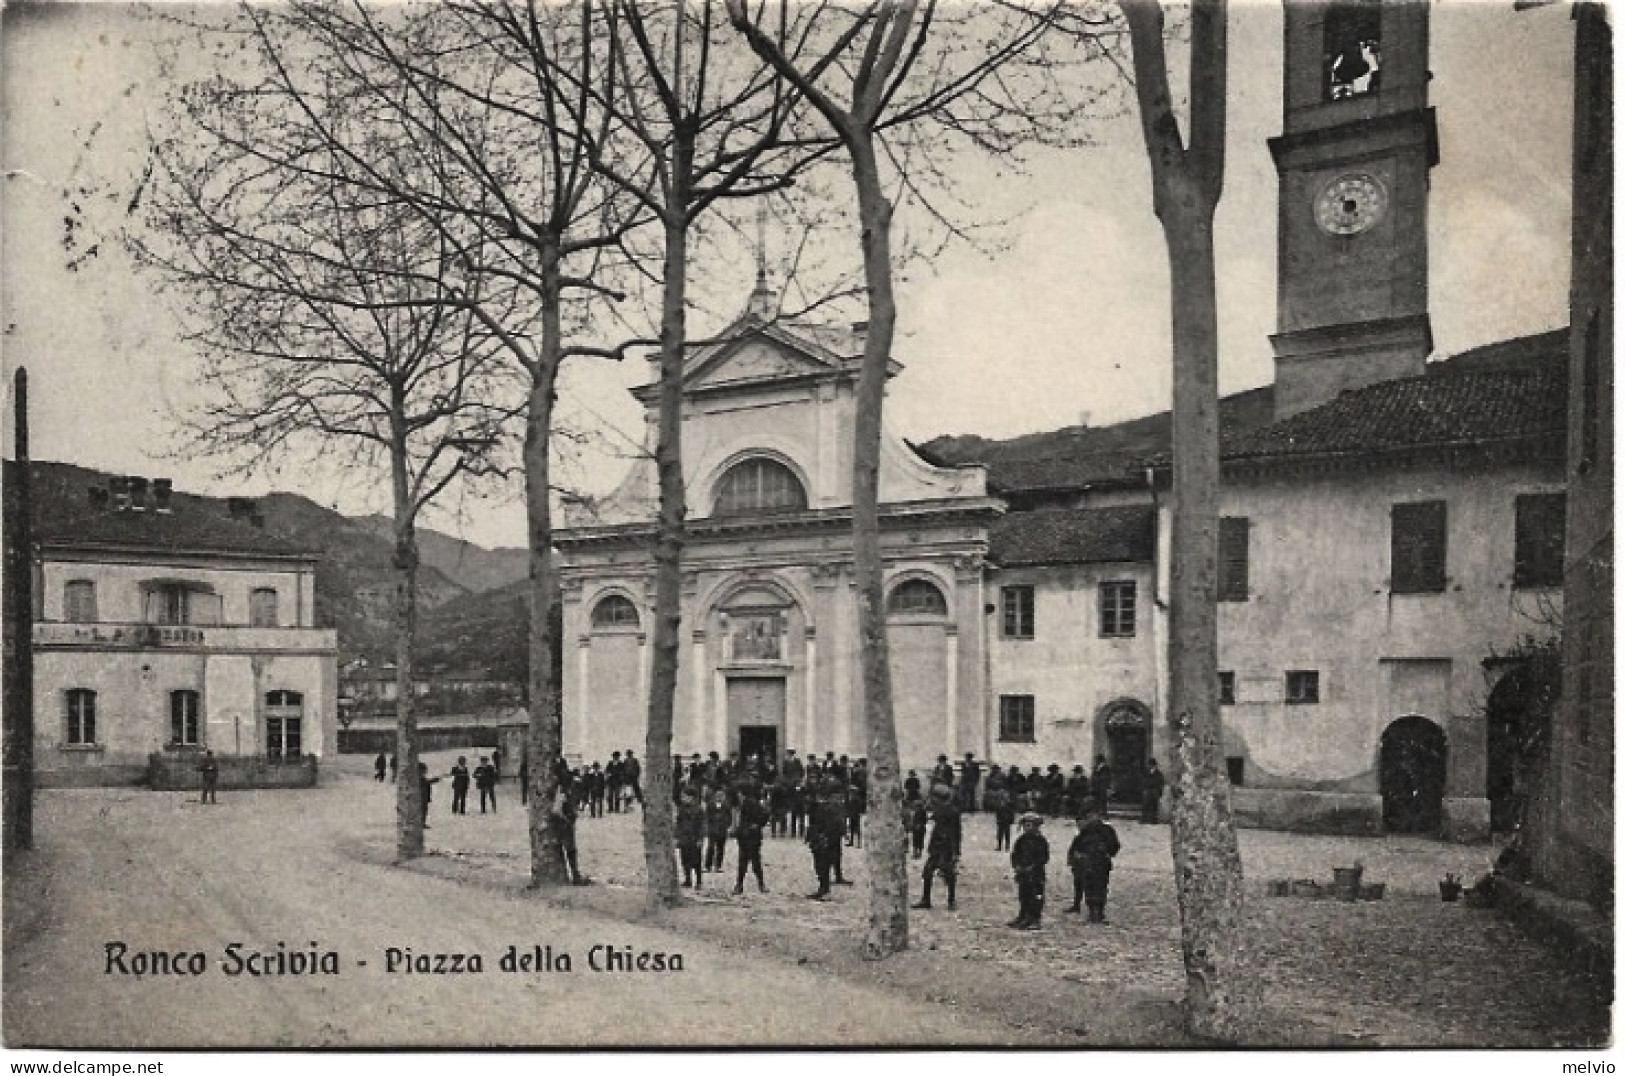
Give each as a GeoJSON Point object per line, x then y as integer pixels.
{"type": "Point", "coordinates": [823, 802]}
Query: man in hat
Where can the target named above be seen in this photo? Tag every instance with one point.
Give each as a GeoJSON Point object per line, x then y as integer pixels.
{"type": "Point", "coordinates": [1151, 794]}
{"type": "Point", "coordinates": [1029, 858]}
{"type": "Point", "coordinates": [943, 850]}
{"type": "Point", "coordinates": [1090, 858]}
{"type": "Point", "coordinates": [823, 838]}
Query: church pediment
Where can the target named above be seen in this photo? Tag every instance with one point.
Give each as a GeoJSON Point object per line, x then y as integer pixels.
{"type": "Point", "coordinates": [756, 359]}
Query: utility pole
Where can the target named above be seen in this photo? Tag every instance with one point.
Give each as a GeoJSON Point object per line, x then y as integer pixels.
{"type": "Point", "coordinates": [18, 621]}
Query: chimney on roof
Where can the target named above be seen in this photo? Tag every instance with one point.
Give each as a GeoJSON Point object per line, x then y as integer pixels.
{"type": "Point", "coordinates": [98, 497]}
{"type": "Point", "coordinates": [119, 489]}
{"type": "Point", "coordinates": [162, 491]}
{"type": "Point", "coordinates": [1083, 419]}
{"type": "Point", "coordinates": [138, 493]}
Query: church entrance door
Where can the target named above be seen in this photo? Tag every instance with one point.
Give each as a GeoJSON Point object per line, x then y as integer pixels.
{"type": "Point", "coordinates": [756, 709]}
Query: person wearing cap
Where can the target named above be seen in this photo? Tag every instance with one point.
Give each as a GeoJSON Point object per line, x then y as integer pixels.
{"type": "Point", "coordinates": [833, 802]}
{"type": "Point", "coordinates": [1029, 858]}
{"type": "Point", "coordinates": [751, 816]}
{"type": "Point", "coordinates": [485, 779]}
{"type": "Point", "coordinates": [943, 851]}
{"type": "Point", "coordinates": [690, 836]}
{"type": "Point", "coordinates": [1090, 858]}
{"type": "Point", "coordinates": [823, 838]}
{"type": "Point", "coordinates": [1004, 817]}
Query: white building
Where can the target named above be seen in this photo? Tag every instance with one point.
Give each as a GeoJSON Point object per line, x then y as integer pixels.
{"type": "Point", "coordinates": [165, 629]}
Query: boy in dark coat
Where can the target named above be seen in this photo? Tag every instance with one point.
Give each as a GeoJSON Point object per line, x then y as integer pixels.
{"type": "Point", "coordinates": [915, 817]}
{"type": "Point", "coordinates": [823, 839]}
{"type": "Point", "coordinates": [1004, 817]}
{"type": "Point", "coordinates": [380, 765]}
{"type": "Point", "coordinates": [1029, 858]}
{"type": "Point", "coordinates": [1090, 858]}
{"type": "Point", "coordinates": [690, 834]}
{"type": "Point", "coordinates": [946, 832]}
{"type": "Point", "coordinates": [748, 832]}
{"type": "Point", "coordinates": [485, 779]}
{"type": "Point", "coordinates": [718, 817]}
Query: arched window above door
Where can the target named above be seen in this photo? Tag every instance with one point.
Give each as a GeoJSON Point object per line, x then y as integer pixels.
{"type": "Point", "coordinates": [614, 611]}
{"type": "Point", "coordinates": [917, 597]}
{"type": "Point", "coordinates": [758, 484]}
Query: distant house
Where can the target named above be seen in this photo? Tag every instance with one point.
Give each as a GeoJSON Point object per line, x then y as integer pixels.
{"type": "Point", "coordinates": [160, 630]}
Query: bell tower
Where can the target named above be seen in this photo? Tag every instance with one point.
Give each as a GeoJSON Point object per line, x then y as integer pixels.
{"type": "Point", "coordinates": [1358, 140]}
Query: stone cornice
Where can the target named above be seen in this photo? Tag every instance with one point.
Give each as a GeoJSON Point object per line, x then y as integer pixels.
{"type": "Point", "coordinates": [893, 517]}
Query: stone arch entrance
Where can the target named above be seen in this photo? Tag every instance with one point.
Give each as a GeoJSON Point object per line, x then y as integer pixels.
{"type": "Point", "coordinates": [1411, 775]}
{"type": "Point", "coordinates": [1126, 724]}
{"type": "Point", "coordinates": [762, 657]}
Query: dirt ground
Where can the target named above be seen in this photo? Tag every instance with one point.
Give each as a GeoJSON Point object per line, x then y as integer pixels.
{"type": "Point", "coordinates": [157, 870]}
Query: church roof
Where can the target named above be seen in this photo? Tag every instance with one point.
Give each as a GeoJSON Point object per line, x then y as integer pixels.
{"type": "Point", "coordinates": [1508, 391]}
{"type": "Point", "coordinates": [1073, 536]}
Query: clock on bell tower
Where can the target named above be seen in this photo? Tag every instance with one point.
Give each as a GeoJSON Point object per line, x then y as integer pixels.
{"type": "Point", "coordinates": [1358, 140]}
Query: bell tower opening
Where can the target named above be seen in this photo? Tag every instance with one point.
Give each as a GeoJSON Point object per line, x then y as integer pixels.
{"type": "Point", "coordinates": [1358, 141]}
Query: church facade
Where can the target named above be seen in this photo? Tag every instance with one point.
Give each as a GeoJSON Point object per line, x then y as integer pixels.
{"type": "Point", "coordinates": [1392, 531]}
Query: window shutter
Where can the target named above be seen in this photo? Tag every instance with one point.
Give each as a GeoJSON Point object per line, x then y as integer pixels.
{"type": "Point", "coordinates": [1418, 547]}
{"type": "Point", "coordinates": [1233, 534]}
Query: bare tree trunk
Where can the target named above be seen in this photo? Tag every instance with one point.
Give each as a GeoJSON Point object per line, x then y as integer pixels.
{"type": "Point", "coordinates": [1221, 994]}
{"type": "Point", "coordinates": [888, 862]}
{"type": "Point", "coordinates": [659, 827]}
{"type": "Point", "coordinates": [544, 733]}
{"type": "Point", "coordinates": [408, 791]}
{"type": "Point", "coordinates": [18, 783]}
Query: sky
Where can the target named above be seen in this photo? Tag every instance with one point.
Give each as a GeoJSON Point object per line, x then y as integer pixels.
{"type": "Point", "coordinates": [1066, 322]}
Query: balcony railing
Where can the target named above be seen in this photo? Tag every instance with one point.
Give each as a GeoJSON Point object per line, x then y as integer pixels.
{"type": "Point", "coordinates": [182, 636]}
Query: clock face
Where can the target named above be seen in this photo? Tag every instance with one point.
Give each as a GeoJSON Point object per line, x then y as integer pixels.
{"type": "Point", "coordinates": [1350, 204]}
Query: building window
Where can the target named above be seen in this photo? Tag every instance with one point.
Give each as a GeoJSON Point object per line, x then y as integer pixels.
{"type": "Point", "coordinates": [1227, 689]}
{"type": "Point", "coordinates": [1418, 547]}
{"type": "Point", "coordinates": [283, 723]}
{"type": "Point", "coordinates": [1117, 609]}
{"type": "Point", "coordinates": [183, 711]}
{"type": "Point", "coordinates": [1016, 722]}
{"type": "Point", "coordinates": [180, 603]}
{"type": "Point", "coordinates": [615, 611]}
{"type": "Point", "coordinates": [1018, 611]}
{"type": "Point", "coordinates": [1352, 56]}
{"type": "Point", "coordinates": [917, 597]}
{"type": "Point", "coordinates": [1538, 526]}
{"type": "Point", "coordinates": [79, 602]}
{"type": "Point", "coordinates": [1303, 686]}
{"type": "Point", "coordinates": [1233, 559]}
{"type": "Point", "coordinates": [1235, 767]}
{"type": "Point", "coordinates": [81, 716]}
{"type": "Point", "coordinates": [262, 607]}
{"type": "Point", "coordinates": [759, 485]}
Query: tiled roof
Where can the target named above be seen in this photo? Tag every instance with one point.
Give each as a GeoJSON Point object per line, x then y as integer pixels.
{"type": "Point", "coordinates": [1448, 409]}
{"type": "Point", "coordinates": [1513, 390]}
{"type": "Point", "coordinates": [188, 529]}
{"type": "Point", "coordinates": [1073, 536]}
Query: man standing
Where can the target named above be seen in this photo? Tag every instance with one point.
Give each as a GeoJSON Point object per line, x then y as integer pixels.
{"type": "Point", "coordinates": [379, 765]}
{"type": "Point", "coordinates": [748, 832]}
{"type": "Point", "coordinates": [943, 849]}
{"type": "Point", "coordinates": [563, 813]}
{"type": "Point", "coordinates": [210, 769]}
{"type": "Point", "coordinates": [614, 774]}
{"type": "Point", "coordinates": [1151, 794]}
{"type": "Point", "coordinates": [485, 779]}
{"type": "Point", "coordinates": [824, 840]}
{"type": "Point", "coordinates": [632, 773]}
{"type": "Point", "coordinates": [425, 791]}
{"type": "Point", "coordinates": [459, 786]}
{"type": "Point", "coordinates": [969, 778]}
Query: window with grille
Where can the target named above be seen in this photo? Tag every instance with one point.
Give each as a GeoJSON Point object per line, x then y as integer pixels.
{"type": "Point", "coordinates": [81, 716]}
{"type": "Point", "coordinates": [1303, 686]}
{"type": "Point", "coordinates": [917, 597]}
{"type": "Point", "coordinates": [1117, 601]}
{"type": "Point", "coordinates": [759, 485]}
{"type": "Point", "coordinates": [183, 718]}
{"type": "Point", "coordinates": [615, 611]}
{"type": "Point", "coordinates": [1233, 559]}
{"type": "Point", "coordinates": [1017, 602]}
{"type": "Point", "coordinates": [1418, 547]}
{"type": "Point", "coordinates": [79, 602]}
{"type": "Point", "coordinates": [1538, 552]}
{"type": "Point", "coordinates": [1016, 719]}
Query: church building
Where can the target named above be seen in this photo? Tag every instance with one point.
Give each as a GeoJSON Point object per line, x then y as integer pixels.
{"type": "Point", "coordinates": [1392, 531]}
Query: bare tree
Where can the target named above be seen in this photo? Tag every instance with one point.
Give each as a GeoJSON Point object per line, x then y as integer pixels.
{"type": "Point", "coordinates": [867, 70]}
{"type": "Point", "coordinates": [1187, 180]}
{"type": "Point", "coordinates": [500, 165]}
{"type": "Point", "coordinates": [326, 316]}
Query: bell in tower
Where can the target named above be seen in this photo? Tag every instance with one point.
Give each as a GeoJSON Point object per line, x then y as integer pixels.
{"type": "Point", "coordinates": [1353, 158]}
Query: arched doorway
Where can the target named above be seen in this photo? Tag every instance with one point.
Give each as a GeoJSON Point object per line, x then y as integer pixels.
{"type": "Point", "coordinates": [1128, 744]}
{"type": "Point", "coordinates": [1411, 773]}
